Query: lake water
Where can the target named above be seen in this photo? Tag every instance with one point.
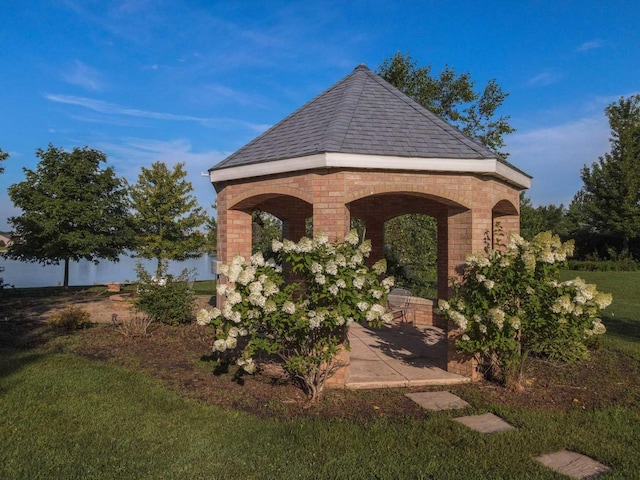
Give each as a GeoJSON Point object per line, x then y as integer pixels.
{"type": "Point", "coordinates": [22, 275]}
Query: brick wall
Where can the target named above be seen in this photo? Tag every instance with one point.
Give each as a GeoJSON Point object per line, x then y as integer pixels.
{"type": "Point", "coordinates": [466, 207]}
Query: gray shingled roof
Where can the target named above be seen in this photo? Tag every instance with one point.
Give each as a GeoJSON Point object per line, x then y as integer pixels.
{"type": "Point", "coordinates": [361, 114]}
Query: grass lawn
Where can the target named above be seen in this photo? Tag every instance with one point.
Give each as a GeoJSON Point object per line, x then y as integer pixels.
{"type": "Point", "coordinates": [63, 415]}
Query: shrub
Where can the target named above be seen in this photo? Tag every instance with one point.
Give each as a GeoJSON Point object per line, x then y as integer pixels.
{"type": "Point", "coordinates": [133, 326]}
{"type": "Point", "coordinates": [166, 299]}
{"type": "Point", "coordinates": [510, 304]}
{"type": "Point", "coordinates": [620, 265]}
{"type": "Point", "coordinates": [71, 318]}
{"type": "Point", "coordinates": [306, 323]}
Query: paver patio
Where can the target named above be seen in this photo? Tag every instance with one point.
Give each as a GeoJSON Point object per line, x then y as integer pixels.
{"type": "Point", "coordinates": [398, 357]}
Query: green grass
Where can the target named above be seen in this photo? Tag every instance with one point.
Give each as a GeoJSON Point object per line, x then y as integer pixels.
{"type": "Point", "coordinates": [63, 416]}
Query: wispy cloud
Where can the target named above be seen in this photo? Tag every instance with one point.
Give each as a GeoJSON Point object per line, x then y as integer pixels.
{"type": "Point", "coordinates": [128, 155]}
{"type": "Point", "coordinates": [113, 109]}
{"type": "Point", "coordinates": [590, 45]}
{"type": "Point", "coordinates": [554, 155]}
{"type": "Point", "coordinates": [545, 78]}
{"type": "Point", "coordinates": [82, 75]}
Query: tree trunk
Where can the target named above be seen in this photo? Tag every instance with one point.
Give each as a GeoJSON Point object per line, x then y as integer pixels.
{"type": "Point", "coordinates": [625, 246]}
{"type": "Point", "coordinates": [65, 283]}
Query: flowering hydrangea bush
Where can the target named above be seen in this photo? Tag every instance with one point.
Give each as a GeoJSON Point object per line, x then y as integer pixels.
{"type": "Point", "coordinates": [304, 323]}
{"type": "Point", "coordinates": [510, 304]}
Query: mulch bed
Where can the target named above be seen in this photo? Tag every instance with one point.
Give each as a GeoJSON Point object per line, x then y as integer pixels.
{"type": "Point", "coordinates": [178, 356]}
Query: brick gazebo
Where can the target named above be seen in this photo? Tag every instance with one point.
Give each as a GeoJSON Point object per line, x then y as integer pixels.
{"type": "Point", "coordinates": [363, 149]}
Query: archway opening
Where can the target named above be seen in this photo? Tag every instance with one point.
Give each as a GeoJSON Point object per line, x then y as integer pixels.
{"type": "Point", "coordinates": [411, 252]}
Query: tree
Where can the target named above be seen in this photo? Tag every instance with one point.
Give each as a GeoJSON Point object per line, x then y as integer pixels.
{"type": "Point", "coordinates": [3, 157]}
{"type": "Point", "coordinates": [72, 209]}
{"type": "Point", "coordinates": [542, 218]}
{"type": "Point", "coordinates": [612, 185]}
{"type": "Point", "coordinates": [166, 216]}
{"type": "Point", "coordinates": [452, 97]}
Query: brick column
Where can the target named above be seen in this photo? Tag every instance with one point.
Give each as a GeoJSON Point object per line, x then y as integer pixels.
{"type": "Point", "coordinates": [331, 219]}
{"type": "Point", "coordinates": [460, 231]}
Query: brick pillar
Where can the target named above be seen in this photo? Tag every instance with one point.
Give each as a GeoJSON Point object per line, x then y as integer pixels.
{"type": "Point", "coordinates": [509, 224]}
{"type": "Point", "coordinates": [460, 231]}
{"type": "Point", "coordinates": [375, 233]}
{"type": "Point", "coordinates": [234, 234]}
{"type": "Point", "coordinates": [331, 219]}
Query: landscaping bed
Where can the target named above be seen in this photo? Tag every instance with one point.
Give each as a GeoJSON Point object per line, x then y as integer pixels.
{"type": "Point", "coordinates": [178, 356]}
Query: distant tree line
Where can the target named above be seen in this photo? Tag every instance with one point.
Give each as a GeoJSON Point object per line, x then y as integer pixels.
{"type": "Point", "coordinates": [604, 216]}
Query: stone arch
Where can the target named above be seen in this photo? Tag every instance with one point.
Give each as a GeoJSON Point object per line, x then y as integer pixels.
{"type": "Point", "coordinates": [263, 193]}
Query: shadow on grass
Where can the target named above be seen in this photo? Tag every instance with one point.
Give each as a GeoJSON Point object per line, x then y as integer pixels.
{"type": "Point", "coordinates": [622, 327]}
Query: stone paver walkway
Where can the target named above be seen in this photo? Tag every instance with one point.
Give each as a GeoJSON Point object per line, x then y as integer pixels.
{"type": "Point", "coordinates": [486, 423]}
{"type": "Point", "coordinates": [438, 401]}
{"type": "Point", "coordinates": [398, 357]}
{"type": "Point", "coordinates": [572, 464]}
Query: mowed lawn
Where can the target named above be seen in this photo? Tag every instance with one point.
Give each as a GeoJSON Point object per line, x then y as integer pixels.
{"type": "Point", "coordinates": [64, 416]}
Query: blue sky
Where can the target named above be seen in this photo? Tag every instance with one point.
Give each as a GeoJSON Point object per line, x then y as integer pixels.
{"type": "Point", "coordinates": [193, 81]}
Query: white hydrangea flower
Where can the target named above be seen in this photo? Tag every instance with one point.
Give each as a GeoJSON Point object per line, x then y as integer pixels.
{"type": "Point", "coordinates": [388, 283]}
{"type": "Point", "coordinates": [288, 246]}
{"type": "Point", "coordinates": [465, 337]}
{"type": "Point", "coordinates": [363, 306]}
{"type": "Point", "coordinates": [365, 248]}
{"type": "Point", "coordinates": [459, 319]}
{"type": "Point", "coordinates": [231, 343]}
{"type": "Point", "coordinates": [255, 287]}
{"type": "Point", "coordinates": [341, 260]}
{"type": "Point", "coordinates": [480, 278]}
{"type": "Point", "coordinates": [321, 239]}
{"type": "Point", "coordinates": [314, 322]}
{"type": "Point", "coordinates": [247, 275]}
{"type": "Point", "coordinates": [222, 288]}
{"type": "Point", "coordinates": [305, 245]}
{"type": "Point", "coordinates": [358, 282]}
{"type": "Point", "coordinates": [236, 317]}
{"type": "Point", "coordinates": [375, 293]}
{"type": "Point", "coordinates": [269, 307]}
{"type": "Point", "coordinates": [340, 283]}
{"type": "Point", "coordinates": [233, 298]}
{"type": "Point", "coordinates": [203, 318]}
{"type": "Point", "coordinates": [276, 246]}
{"type": "Point", "coordinates": [320, 279]}
{"type": "Point", "coordinates": [443, 305]}
{"type": "Point", "coordinates": [333, 289]}
{"type": "Point", "coordinates": [497, 316]}
{"type": "Point", "coordinates": [289, 307]}
{"type": "Point", "coordinates": [379, 267]}
{"type": "Point", "coordinates": [257, 259]}
{"type": "Point", "coordinates": [316, 268]}
{"type": "Point", "coordinates": [331, 268]}
{"type": "Point", "coordinates": [387, 318]}
{"type": "Point", "coordinates": [220, 345]}
{"type": "Point", "coordinates": [233, 332]}
{"type": "Point", "coordinates": [257, 299]}
{"type": "Point", "coordinates": [352, 237]}
{"type": "Point", "coordinates": [340, 320]}
{"type": "Point", "coordinates": [356, 260]}
{"type": "Point", "coordinates": [489, 284]}
{"type": "Point", "coordinates": [247, 365]}
{"type": "Point", "coordinates": [270, 288]}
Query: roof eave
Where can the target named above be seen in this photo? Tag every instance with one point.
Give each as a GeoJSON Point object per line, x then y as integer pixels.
{"type": "Point", "coordinates": [484, 166]}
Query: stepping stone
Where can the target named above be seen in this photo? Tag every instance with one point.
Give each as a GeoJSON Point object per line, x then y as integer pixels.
{"type": "Point", "coordinates": [573, 464]}
{"type": "Point", "coordinates": [437, 401]}
{"type": "Point", "coordinates": [487, 423]}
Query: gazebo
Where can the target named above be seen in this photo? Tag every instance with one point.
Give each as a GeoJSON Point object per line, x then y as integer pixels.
{"type": "Point", "coordinates": [363, 149]}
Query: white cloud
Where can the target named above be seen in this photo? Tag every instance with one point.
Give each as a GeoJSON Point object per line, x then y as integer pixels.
{"type": "Point", "coordinates": [590, 45]}
{"type": "Point", "coordinates": [82, 75]}
{"type": "Point", "coordinates": [554, 156]}
{"type": "Point", "coordinates": [545, 78]}
{"type": "Point", "coordinates": [129, 155]}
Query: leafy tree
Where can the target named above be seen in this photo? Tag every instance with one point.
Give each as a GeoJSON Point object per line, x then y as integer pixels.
{"type": "Point", "coordinates": [534, 220]}
{"type": "Point", "coordinates": [166, 216]}
{"type": "Point", "coordinates": [265, 229]}
{"type": "Point", "coordinates": [72, 209]}
{"type": "Point", "coordinates": [3, 157]}
{"type": "Point", "coordinates": [211, 225]}
{"type": "Point", "coordinates": [411, 252]}
{"type": "Point", "coordinates": [453, 97]}
{"type": "Point", "coordinates": [612, 185]}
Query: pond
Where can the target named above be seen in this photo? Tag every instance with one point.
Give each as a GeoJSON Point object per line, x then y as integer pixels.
{"type": "Point", "coordinates": [23, 275]}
